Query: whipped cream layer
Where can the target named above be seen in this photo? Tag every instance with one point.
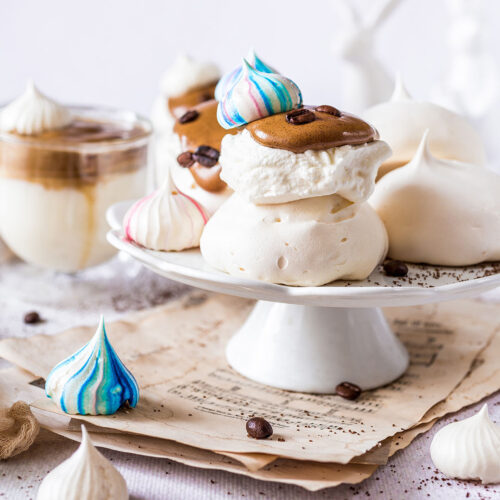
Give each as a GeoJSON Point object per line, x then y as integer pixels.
{"type": "Point", "coordinates": [440, 212]}
{"type": "Point", "coordinates": [187, 74]}
{"type": "Point", "coordinates": [304, 243]}
{"type": "Point", "coordinates": [469, 449]}
{"type": "Point", "coordinates": [86, 475]}
{"type": "Point", "coordinates": [33, 113]}
{"type": "Point", "coordinates": [270, 175]}
{"type": "Point", "coordinates": [401, 122]}
{"type": "Point", "coordinates": [93, 381]}
{"type": "Point", "coordinates": [167, 219]}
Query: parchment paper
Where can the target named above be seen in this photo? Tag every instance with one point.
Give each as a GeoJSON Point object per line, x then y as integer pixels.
{"type": "Point", "coordinates": [190, 395]}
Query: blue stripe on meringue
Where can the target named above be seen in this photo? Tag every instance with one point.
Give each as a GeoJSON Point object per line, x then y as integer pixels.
{"type": "Point", "coordinates": [93, 381]}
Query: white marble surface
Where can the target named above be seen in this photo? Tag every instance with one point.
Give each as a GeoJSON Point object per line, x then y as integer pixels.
{"type": "Point", "coordinates": [64, 301]}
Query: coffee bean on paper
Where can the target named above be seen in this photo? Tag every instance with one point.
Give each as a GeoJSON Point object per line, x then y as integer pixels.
{"type": "Point", "coordinates": [259, 428]}
{"type": "Point", "coordinates": [300, 116]}
{"type": "Point", "coordinates": [325, 108]}
{"type": "Point", "coordinates": [185, 159]}
{"type": "Point", "coordinates": [189, 116]}
{"type": "Point", "coordinates": [32, 318]}
{"type": "Point", "coordinates": [347, 390]}
{"type": "Point", "coordinates": [395, 268]}
{"type": "Point", "coordinates": [206, 156]}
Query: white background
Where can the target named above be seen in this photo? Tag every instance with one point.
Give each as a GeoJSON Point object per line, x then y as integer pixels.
{"type": "Point", "coordinates": [114, 52]}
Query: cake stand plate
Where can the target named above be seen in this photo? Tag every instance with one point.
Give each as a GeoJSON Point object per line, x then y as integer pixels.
{"type": "Point", "coordinates": [309, 339]}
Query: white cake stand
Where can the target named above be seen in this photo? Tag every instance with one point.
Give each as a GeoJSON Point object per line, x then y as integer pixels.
{"type": "Point", "coordinates": [309, 339]}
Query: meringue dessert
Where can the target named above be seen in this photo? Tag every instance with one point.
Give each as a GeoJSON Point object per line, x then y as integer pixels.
{"type": "Point", "coordinates": [440, 212]}
{"type": "Point", "coordinates": [167, 219]}
{"type": "Point", "coordinates": [60, 169]}
{"type": "Point", "coordinates": [86, 475]}
{"type": "Point", "coordinates": [93, 381]}
{"type": "Point", "coordinates": [469, 449]}
{"type": "Point", "coordinates": [401, 122]}
{"type": "Point", "coordinates": [301, 176]}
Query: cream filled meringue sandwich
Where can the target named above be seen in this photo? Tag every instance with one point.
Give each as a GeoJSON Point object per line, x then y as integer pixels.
{"type": "Point", "coordinates": [167, 219]}
{"type": "Point", "coordinates": [61, 167]}
{"type": "Point", "coordinates": [86, 475]}
{"type": "Point", "coordinates": [441, 212]}
{"type": "Point", "coordinates": [469, 449]}
{"type": "Point", "coordinates": [301, 175]}
{"type": "Point", "coordinates": [401, 122]}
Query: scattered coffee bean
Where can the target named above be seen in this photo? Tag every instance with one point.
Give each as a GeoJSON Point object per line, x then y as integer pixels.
{"type": "Point", "coordinates": [259, 428]}
{"type": "Point", "coordinates": [325, 108]}
{"type": "Point", "coordinates": [189, 116]}
{"type": "Point", "coordinates": [347, 390]}
{"type": "Point", "coordinates": [206, 156]}
{"type": "Point", "coordinates": [32, 318]}
{"type": "Point", "coordinates": [205, 97]}
{"type": "Point", "coordinates": [300, 116]}
{"type": "Point", "coordinates": [395, 268]}
{"type": "Point", "coordinates": [185, 159]}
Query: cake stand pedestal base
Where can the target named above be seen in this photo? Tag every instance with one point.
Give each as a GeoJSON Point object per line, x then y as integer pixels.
{"type": "Point", "coordinates": [312, 349]}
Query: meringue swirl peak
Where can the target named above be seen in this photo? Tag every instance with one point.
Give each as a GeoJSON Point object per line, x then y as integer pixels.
{"type": "Point", "coordinates": [86, 475]}
{"type": "Point", "coordinates": [255, 95]}
{"type": "Point", "coordinates": [232, 76]}
{"type": "Point", "coordinates": [469, 449]}
{"type": "Point", "coordinates": [33, 113]}
{"type": "Point", "coordinates": [400, 92]}
{"type": "Point", "coordinates": [93, 381]}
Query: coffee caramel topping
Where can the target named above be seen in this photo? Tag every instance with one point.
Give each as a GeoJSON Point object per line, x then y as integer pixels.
{"type": "Point", "coordinates": [316, 128]}
{"type": "Point", "coordinates": [180, 104]}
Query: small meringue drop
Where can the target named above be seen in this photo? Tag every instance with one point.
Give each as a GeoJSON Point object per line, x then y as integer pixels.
{"type": "Point", "coordinates": [255, 95]}
{"type": "Point", "coordinates": [167, 219]}
{"type": "Point", "coordinates": [93, 381]}
{"type": "Point", "coordinates": [469, 449]}
{"type": "Point", "coordinates": [33, 113]}
{"type": "Point", "coordinates": [86, 475]}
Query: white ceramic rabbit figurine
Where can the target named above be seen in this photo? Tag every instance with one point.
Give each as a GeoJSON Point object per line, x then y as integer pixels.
{"type": "Point", "coordinates": [365, 81]}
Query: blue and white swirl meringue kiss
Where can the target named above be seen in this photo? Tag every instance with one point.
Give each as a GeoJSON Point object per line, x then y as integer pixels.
{"type": "Point", "coordinates": [255, 95]}
{"type": "Point", "coordinates": [230, 77]}
{"type": "Point", "coordinates": [93, 381]}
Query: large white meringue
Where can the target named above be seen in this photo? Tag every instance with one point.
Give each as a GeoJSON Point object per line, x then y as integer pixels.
{"type": "Point", "coordinates": [86, 475]}
{"type": "Point", "coordinates": [167, 219]}
{"type": "Point", "coordinates": [307, 242]}
{"type": "Point", "coordinates": [401, 121]}
{"type": "Point", "coordinates": [271, 175]}
{"type": "Point", "coordinates": [469, 449]}
{"type": "Point", "coordinates": [188, 74]}
{"type": "Point", "coordinates": [440, 211]}
{"type": "Point", "coordinates": [33, 113]}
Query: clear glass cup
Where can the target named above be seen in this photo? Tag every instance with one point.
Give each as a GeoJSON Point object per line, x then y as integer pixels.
{"type": "Point", "coordinates": [55, 188]}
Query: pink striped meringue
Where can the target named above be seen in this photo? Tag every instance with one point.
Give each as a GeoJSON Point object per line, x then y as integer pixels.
{"type": "Point", "coordinates": [167, 219]}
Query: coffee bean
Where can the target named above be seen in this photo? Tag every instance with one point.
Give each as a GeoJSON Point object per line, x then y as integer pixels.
{"type": "Point", "coordinates": [206, 97]}
{"type": "Point", "coordinates": [395, 268]}
{"type": "Point", "coordinates": [259, 428]}
{"type": "Point", "coordinates": [32, 318]}
{"type": "Point", "coordinates": [189, 116]}
{"type": "Point", "coordinates": [300, 116]}
{"type": "Point", "coordinates": [185, 159]}
{"type": "Point", "coordinates": [347, 390]}
{"type": "Point", "coordinates": [206, 156]}
{"type": "Point", "coordinates": [330, 110]}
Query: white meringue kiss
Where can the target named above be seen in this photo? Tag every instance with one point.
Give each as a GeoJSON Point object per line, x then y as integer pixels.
{"type": "Point", "coordinates": [33, 113]}
{"type": "Point", "coordinates": [86, 475]}
{"type": "Point", "coordinates": [469, 449]}
{"type": "Point", "coordinates": [167, 219]}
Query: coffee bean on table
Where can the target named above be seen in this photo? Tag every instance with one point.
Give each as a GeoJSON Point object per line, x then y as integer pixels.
{"type": "Point", "coordinates": [300, 116]}
{"type": "Point", "coordinates": [259, 428]}
{"type": "Point", "coordinates": [189, 116]}
{"type": "Point", "coordinates": [395, 268]}
{"type": "Point", "coordinates": [206, 156]}
{"type": "Point", "coordinates": [185, 159]}
{"type": "Point", "coordinates": [347, 390]}
{"type": "Point", "coordinates": [205, 97]}
{"type": "Point", "coordinates": [325, 108]}
{"type": "Point", "coordinates": [32, 318]}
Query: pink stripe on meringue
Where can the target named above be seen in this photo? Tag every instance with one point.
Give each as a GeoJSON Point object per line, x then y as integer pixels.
{"type": "Point", "coordinates": [196, 204]}
{"type": "Point", "coordinates": [133, 210]}
{"type": "Point", "coordinates": [256, 104]}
